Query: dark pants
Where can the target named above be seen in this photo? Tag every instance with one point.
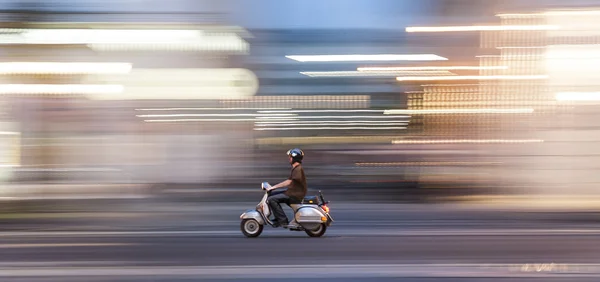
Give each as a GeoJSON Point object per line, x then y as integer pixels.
{"type": "Point", "coordinates": [275, 201]}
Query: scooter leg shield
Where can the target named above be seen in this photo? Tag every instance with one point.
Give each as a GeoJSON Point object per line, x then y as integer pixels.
{"type": "Point", "coordinates": [252, 214]}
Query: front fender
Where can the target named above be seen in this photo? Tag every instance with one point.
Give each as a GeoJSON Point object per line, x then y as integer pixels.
{"type": "Point", "coordinates": [253, 214]}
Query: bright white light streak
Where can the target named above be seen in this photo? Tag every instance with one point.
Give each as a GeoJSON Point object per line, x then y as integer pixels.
{"type": "Point", "coordinates": [334, 128]}
{"type": "Point", "coordinates": [356, 58]}
{"type": "Point", "coordinates": [208, 109]}
{"type": "Point", "coordinates": [377, 69]}
{"type": "Point", "coordinates": [454, 85]}
{"type": "Point", "coordinates": [212, 45]}
{"type": "Point", "coordinates": [107, 35]}
{"type": "Point", "coordinates": [372, 73]}
{"type": "Point", "coordinates": [197, 120]}
{"type": "Point", "coordinates": [472, 77]}
{"type": "Point", "coordinates": [528, 56]}
{"type": "Point", "coordinates": [60, 89]}
{"type": "Point", "coordinates": [213, 115]}
{"type": "Point", "coordinates": [338, 121]}
{"type": "Point", "coordinates": [578, 96]}
{"type": "Point", "coordinates": [359, 123]}
{"type": "Point", "coordinates": [64, 68]}
{"type": "Point", "coordinates": [480, 28]}
{"type": "Point", "coordinates": [468, 141]}
{"type": "Point", "coordinates": [554, 13]}
{"type": "Point", "coordinates": [571, 52]}
{"type": "Point", "coordinates": [321, 111]}
{"type": "Point", "coordinates": [338, 117]}
{"type": "Point", "coordinates": [461, 111]}
{"type": "Point", "coordinates": [572, 13]}
{"type": "Point", "coordinates": [522, 47]}
{"type": "Point", "coordinates": [114, 40]}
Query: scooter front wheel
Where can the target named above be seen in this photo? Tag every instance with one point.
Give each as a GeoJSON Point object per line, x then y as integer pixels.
{"type": "Point", "coordinates": [320, 231]}
{"type": "Point", "coordinates": [251, 228]}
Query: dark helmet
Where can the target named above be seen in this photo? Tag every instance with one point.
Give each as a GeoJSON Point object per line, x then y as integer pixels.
{"type": "Point", "coordinates": [296, 154]}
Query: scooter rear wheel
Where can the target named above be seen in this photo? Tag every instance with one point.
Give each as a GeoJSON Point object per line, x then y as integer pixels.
{"type": "Point", "coordinates": [320, 231]}
{"type": "Point", "coordinates": [251, 228]}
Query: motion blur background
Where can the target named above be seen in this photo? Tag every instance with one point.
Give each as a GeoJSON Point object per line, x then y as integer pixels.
{"type": "Point", "coordinates": [456, 97]}
{"type": "Point", "coordinates": [133, 133]}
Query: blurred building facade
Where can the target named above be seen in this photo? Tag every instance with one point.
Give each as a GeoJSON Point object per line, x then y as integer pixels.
{"type": "Point", "coordinates": [200, 101]}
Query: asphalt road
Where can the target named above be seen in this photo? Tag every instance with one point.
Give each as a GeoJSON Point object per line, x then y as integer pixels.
{"type": "Point", "coordinates": [383, 243]}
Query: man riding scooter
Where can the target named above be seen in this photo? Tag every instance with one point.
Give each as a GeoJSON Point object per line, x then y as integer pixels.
{"type": "Point", "coordinates": [296, 191]}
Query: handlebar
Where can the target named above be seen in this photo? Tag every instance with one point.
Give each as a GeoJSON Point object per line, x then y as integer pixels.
{"type": "Point", "coordinates": [265, 185]}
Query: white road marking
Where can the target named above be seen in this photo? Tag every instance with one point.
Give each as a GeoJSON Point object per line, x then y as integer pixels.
{"type": "Point", "coordinates": [395, 223]}
{"type": "Point", "coordinates": [324, 271]}
{"type": "Point", "coordinates": [60, 245]}
{"type": "Point", "coordinates": [114, 233]}
{"type": "Point", "coordinates": [475, 232]}
{"type": "Point", "coordinates": [331, 232]}
{"type": "Point", "coordinates": [65, 263]}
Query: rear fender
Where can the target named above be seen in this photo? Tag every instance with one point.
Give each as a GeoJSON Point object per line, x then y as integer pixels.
{"type": "Point", "coordinates": [310, 214]}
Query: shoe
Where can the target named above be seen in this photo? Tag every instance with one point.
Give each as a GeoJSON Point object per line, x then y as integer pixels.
{"type": "Point", "coordinates": [277, 224]}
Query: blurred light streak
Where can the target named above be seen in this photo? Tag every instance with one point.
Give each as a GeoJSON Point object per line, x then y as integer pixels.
{"type": "Point", "coordinates": [76, 169]}
{"type": "Point", "coordinates": [302, 101]}
{"type": "Point", "coordinates": [468, 141]}
{"type": "Point", "coordinates": [333, 122]}
{"type": "Point", "coordinates": [573, 52]}
{"type": "Point", "coordinates": [552, 13]}
{"type": "Point", "coordinates": [425, 164]}
{"type": "Point", "coordinates": [208, 109]}
{"type": "Point", "coordinates": [64, 68]}
{"type": "Point", "coordinates": [307, 98]}
{"type": "Point", "coordinates": [460, 111]}
{"type": "Point", "coordinates": [186, 46]}
{"type": "Point", "coordinates": [521, 47]}
{"type": "Point", "coordinates": [511, 56]}
{"type": "Point", "coordinates": [481, 28]}
{"type": "Point", "coordinates": [125, 39]}
{"type": "Point", "coordinates": [358, 123]}
{"type": "Point", "coordinates": [197, 120]}
{"type": "Point", "coordinates": [578, 96]}
{"type": "Point", "coordinates": [372, 74]}
{"type": "Point", "coordinates": [381, 152]}
{"type": "Point", "coordinates": [326, 140]}
{"type": "Point", "coordinates": [454, 85]}
{"type": "Point", "coordinates": [354, 58]}
{"type": "Point", "coordinates": [341, 117]}
{"type": "Point", "coordinates": [60, 89]}
{"type": "Point", "coordinates": [321, 111]}
{"type": "Point", "coordinates": [390, 69]}
{"type": "Point", "coordinates": [334, 128]}
{"type": "Point", "coordinates": [494, 103]}
{"type": "Point", "coordinates": [102, 35]}
{"type": "Point", "coordinates": [212, 115]}
{"type": "Point", "coordinates": [473, 77]}
{"type": "Point", "coordinates": [181, 84]}
{"type": "Point", "coordinates": [12, 149]}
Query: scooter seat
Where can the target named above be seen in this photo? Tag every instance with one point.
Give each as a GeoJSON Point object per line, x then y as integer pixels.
{"type": "Point", "coordinates": [310, 200]}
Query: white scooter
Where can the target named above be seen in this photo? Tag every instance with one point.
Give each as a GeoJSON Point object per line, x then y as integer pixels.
{"type": "Point", "coordinates": [311, 216]}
